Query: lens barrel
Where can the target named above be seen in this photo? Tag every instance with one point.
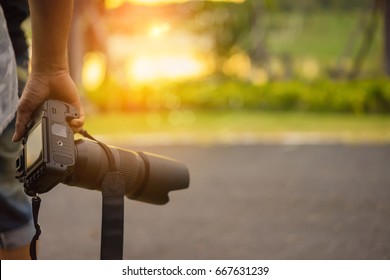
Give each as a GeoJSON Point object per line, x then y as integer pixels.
{"type": "Point", "coordinates": [148, 177]}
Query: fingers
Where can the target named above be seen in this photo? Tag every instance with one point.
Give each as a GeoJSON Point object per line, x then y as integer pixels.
{"type": "Point", "coordinates": [25, 110]}
{"type": "Point", "coordinates": [43, 87]}
{"type": "Point", "coordinates": [22, 118]}
{"type": "Point", "coordinates": [77, 124]}
{"type": "Point", "coordinates": [30, 100]}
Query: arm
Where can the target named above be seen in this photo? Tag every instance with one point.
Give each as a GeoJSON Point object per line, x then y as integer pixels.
{"type": "Point", "coordinates": [49, 78]}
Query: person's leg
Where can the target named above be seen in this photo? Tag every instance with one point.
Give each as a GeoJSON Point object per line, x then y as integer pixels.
{"type": "Point", "coordinates": [16, 227]}
{"type": "Point", "coordinates": [16, 243]}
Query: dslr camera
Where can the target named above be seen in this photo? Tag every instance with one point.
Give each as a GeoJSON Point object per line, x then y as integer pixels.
{"type": "Point", "coordinates": [50, 156]}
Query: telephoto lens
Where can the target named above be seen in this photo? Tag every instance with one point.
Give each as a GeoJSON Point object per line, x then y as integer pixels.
{"type": "Point", "coordinates": [148, 177]}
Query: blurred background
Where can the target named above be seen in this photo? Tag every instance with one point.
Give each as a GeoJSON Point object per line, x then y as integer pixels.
{"type": "Point", "coordinates": [280, 109]}
{"type": "Point", "coordinates": [204, 69]}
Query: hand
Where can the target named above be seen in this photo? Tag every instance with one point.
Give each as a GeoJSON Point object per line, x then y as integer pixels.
{"type": "Point", "coordinates": [41, 87]}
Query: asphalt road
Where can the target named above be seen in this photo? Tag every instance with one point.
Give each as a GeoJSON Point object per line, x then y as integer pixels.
{"type": "Point", "coordinates": [244, 202]}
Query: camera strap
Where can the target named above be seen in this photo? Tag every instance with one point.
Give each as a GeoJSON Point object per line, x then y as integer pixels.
{"type": "Point", "coordinates": [113, 191]}
{"type": "Point", "coordinates": [36, 203]}
{"type": "Point", "coordinates": [111, 247]}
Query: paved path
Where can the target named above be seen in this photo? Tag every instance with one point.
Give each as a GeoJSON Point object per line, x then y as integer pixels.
{"type": "Point", "coordinates": [244, 202]}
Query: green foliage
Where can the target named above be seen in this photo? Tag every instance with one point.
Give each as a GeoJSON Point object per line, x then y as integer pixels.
{"type": "Point", "coordinates": [320, 96]}
{"type": "Point", "coordinates": [225, 23]}
{"type": "Point", "coordinates": [330, 32]}
{"type": "Point", "coordinates": [288, 32]}
{"type": "Point", "coordinates": [358, 97]}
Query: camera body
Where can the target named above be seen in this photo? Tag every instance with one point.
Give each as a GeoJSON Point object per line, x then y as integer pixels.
{"type": "Point", "coordinates": [51, 156]}
{"type": "Point", "coordinates": [48, 153]}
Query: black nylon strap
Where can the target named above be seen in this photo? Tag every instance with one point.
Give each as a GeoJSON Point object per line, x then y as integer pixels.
{"type": "Point", "coordinates": [36, 203]}
{"type": "Point", "coordinates": [110, 156]}
{"type": "Point", "coordinates": [113, 191]}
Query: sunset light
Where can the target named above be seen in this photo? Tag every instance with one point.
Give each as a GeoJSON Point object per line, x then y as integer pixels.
{"type": "Point", "coordinates": [112, 4]}
{"type": "Point", "coordinates": [159, 52]}
{"type": "Point", "coordinates": [148, 68]}
{"type": "Point", "coordinates": [159, 30]}
{"type": "Point", "coordinates": [94, 69]}
{"type": "Point", "coordinates": [157, 48]}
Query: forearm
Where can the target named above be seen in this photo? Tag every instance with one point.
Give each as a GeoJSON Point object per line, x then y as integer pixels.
{"type": "Point", "coordinates": [50, 20]}
{"type": "Point", "coordinates": [49, 78]}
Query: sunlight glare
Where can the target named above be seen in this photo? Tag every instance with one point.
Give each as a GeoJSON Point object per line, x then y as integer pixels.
{"type": "Point", "coordinates": [147, 68]}
{"type": "Point", "coordinates": [113, 4]}
{"type": "Point", "coordinates": [94, 70]}
{"type": "Point", "coordinates": [159, 30]}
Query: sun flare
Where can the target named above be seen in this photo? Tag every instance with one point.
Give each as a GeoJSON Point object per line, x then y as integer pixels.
{"type": "Point", "coordinates": [94, 69]}
{"type": "Point", "coordinates": [158, 30]}
{"type": "Point", "coordinates": [169, 66]}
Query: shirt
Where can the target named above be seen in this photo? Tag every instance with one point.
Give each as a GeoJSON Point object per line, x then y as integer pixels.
{"type": "Point", "coordinates": [8, 77]}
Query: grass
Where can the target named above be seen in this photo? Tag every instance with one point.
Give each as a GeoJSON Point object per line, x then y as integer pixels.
{"type": "Point", "coordinates": [324, 36]}
{"type": "Point", "coordinates": [240, 126]}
